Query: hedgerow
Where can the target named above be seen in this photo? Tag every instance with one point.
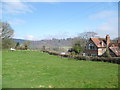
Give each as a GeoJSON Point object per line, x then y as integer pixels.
{"type": "Point", "coordinates": [78, 57]}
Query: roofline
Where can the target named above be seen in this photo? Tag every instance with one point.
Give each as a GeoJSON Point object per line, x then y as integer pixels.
{"type": "Point", "coordinates": [94, 43]}
{"type": "Point", "coordinates": [114, 52]}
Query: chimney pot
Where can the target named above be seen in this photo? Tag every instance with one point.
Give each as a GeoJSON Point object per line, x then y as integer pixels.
{"type": "Point", "coordinates": [107, 40]}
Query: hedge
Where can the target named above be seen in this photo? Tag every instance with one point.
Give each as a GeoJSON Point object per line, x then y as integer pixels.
{"type": "Point", "coordinates": [78, 57]}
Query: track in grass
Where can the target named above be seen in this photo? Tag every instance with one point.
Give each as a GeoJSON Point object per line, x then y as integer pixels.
{"type": "Point", "coordinates": [33, 69]}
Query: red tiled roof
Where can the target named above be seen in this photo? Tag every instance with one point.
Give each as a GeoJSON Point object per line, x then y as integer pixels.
{"type": "Point", "coordinates": [99, 42]}
{"type": "Point", "coordinates": [118, 41]}
{"type": "Point", "coordinates": [114, 44]}
{"type": "Point", "coordinates": [116, 50]}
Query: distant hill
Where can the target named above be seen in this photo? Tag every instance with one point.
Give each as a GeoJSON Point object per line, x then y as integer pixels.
{"type": "Point", "coordinates": [50, 44]}
{"type": "Point", "coordinates": [19, 40]}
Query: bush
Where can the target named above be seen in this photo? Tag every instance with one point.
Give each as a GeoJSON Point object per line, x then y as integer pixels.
{"type": "Point", "coordinates": [78, 57]}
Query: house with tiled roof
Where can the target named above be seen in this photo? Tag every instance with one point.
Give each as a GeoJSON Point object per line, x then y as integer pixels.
{"type": "Point", "coordinates": [98, 46]}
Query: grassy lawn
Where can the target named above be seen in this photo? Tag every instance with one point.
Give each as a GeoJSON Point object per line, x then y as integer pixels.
{"type": "Point", "coordinates": [0, 69]}
{"type": "Point", "coordinates": [33, 69]}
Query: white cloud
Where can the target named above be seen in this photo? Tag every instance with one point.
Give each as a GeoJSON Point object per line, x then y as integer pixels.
{"type": "Point", "coordinates": [16, 21]}
{"type": "Point", "coordinates": [107, 28]}
{"type": "Point", "coordinates": [30, 37]}
{"type": "Point", "coordinates": [27, 37]}
{"type": "Point", "coordinates": [113, 20]}
{"type": "Point", "coordinates": [17, 36]}
{"type": "Point", "coordinates": [103, 29]}
{"type": "Point", "coordinates": [18, 7]}
{"type": "Point", "coordinates": [103, 15]}
{"type": "Point", "coordinates": [108, 23]}
{"type": "Point", "coordinates": [89, 29]}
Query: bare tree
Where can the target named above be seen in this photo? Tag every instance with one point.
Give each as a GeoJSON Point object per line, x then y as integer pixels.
{"type": "Point", "coordinates": [87, 35]}
{"type": "Point", "coordinates": [5, 30]}
{"type": "Point", "coordinates": [6, 33]}
{"type": "Point", "coordinates": [77, 45]}
{"type": "Point", "coordinates": [79, 42]}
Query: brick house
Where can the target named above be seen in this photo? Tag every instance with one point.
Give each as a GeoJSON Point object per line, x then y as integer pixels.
{"type": "Point", "coordinates": [97, 47]}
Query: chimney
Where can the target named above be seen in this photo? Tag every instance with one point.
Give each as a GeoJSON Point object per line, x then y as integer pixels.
{"type": "Point", "coordinates": [118, 41]}
{"type": "Point", "coordinates": [107, 40]}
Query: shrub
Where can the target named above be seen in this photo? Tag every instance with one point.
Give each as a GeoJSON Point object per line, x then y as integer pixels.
{"type": "Point", "coordinates": [78, 57]}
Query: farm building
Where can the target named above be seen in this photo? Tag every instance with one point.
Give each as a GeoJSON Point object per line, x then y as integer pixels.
{"type": "Point", "coordinates": [98, 46]}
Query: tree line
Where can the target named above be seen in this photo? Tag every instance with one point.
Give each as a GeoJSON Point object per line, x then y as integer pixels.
{"type": "Point", "coordinates": [6, 40]}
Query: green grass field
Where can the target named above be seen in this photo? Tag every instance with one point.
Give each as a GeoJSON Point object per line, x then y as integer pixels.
{"type": "Point", "coordinates": [0, 69]}
{"type": "Point", "coordinates": [33, 69]}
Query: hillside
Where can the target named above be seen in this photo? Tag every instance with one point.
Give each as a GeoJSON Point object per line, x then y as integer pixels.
{"type": "Point", "coordinates": [54, 43]}
{"type": "Point", "coordinates": [50, 44]}
{"type": "Point", "coordinates": [19, 40]}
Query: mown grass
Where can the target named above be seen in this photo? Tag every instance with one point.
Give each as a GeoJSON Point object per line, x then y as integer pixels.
{"type": "Point", "coordinates": [33, 69]}
{"type": "Point", "coordinates": [0, 69]}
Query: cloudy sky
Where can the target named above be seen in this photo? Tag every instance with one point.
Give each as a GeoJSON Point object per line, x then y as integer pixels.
{"type": "Point", "coordinates": [45, 20]}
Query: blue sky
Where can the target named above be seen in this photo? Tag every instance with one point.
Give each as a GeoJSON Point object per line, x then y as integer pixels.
{"type": "Point", "coordinates": [46, 20]}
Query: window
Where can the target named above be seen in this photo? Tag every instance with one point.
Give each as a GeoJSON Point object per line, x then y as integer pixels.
{"type": "Point", "coordinates": [89, 54]}
{"type": "Point", "coordinates": [91, 46]}
{"type": "Point", "coordinates": [93, 55]}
